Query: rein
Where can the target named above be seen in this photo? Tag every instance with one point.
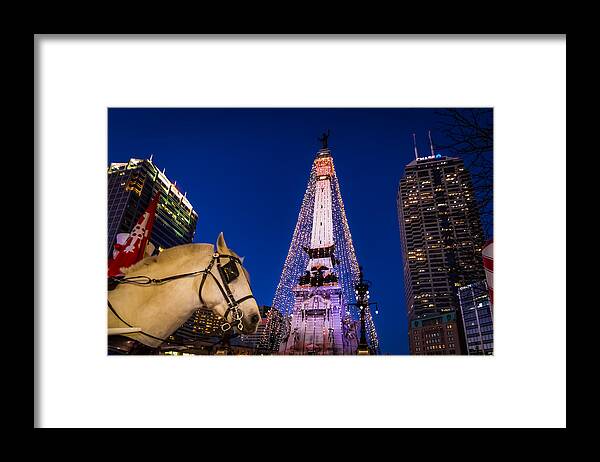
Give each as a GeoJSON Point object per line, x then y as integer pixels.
{"type": "Point", "coordinates": [226, 277]}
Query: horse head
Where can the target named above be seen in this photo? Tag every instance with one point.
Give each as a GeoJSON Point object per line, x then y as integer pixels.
{"type": "Point", "coordinates": [158, 294]}
{"type": "Point", "coordinates": [234, 277]}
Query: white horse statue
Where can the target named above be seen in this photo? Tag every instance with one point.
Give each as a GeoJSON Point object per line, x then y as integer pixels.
{"type": "Point", "coordinates": [158, 294]}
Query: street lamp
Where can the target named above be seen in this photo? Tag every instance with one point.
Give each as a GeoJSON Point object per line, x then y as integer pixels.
{"type": "Point", "coordinates": [362, 302]}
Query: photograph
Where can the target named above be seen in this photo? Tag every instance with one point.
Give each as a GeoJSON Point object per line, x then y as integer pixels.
{"type": "Point", "coordinates": [301, 228]}
{"type": "Point", "coordinates": [300, 231]}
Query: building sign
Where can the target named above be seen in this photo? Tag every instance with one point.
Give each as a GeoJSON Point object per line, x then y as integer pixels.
{"type": "Point", "coordinates": [437, 156]}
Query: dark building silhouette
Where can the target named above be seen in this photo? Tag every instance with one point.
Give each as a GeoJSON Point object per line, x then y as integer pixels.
{"type": "Point", "coordinates": [435, 334]}
{"type": "Point", "coordinates": [202, 335]}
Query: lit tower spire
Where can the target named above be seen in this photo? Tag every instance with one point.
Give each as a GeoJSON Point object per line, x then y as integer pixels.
{"type": "Point", "coordinates": [320, 271]}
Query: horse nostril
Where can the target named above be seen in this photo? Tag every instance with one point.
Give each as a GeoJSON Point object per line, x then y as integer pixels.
{"type": "Point", "coordinates": [255, 318]}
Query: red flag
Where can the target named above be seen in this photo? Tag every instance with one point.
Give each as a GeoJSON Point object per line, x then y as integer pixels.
{"type": "Point", "coordinates": [132, 250]}
{"type": "Point", "coordinates": [488, 266]}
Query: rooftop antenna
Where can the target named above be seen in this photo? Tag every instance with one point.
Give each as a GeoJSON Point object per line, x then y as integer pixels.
{"type": "Point", "coordinates": [415, 146]}
{"type": "Point", "coordinates": [431, 144]}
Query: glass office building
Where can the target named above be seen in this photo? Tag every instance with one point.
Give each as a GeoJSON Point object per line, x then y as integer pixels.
{"type": "Point", "coordinates": [131, 186]}
{"type": "Point", "coordinates": [477, 318]}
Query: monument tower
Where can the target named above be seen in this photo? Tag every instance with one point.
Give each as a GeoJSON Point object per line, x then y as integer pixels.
{"type": "Point", "coordinates": [316, 288]}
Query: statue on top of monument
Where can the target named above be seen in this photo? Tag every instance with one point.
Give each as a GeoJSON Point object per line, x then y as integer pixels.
{"type": "Point", "coordinates": [323, 139]}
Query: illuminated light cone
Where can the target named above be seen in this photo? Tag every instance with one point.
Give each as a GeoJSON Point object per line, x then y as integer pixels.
{"type": "Point", "coordinates": [318, 277]}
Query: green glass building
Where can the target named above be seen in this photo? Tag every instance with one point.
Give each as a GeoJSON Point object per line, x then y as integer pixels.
{"type": "Point", "coordinates": [131, 186]}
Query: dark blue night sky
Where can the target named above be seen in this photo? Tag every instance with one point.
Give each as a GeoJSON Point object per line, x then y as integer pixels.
{"type": "Point", "coordinates": [245, 172]}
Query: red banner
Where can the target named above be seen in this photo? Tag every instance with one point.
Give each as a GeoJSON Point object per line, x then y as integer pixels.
{"type": "Point", "coordinates": [488, 266]}
{"type": "Point", "coordinates": [133, 249]}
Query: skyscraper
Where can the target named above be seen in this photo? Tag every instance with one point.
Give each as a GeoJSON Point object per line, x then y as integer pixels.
{"type": "Point", "coordinates": [441, 239]}
{"type": "Point", "coordinates": [477, 318]}
{"type": "Point", "coordinates": [319, 274]}
{"type": "Point", "coordinates": [131, 185]}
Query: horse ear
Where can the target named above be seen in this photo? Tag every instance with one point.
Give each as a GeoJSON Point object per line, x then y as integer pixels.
{"type": "Point", "coordinates": [242, 259]}
{"type": "Point", "coordinates": [221, 245]}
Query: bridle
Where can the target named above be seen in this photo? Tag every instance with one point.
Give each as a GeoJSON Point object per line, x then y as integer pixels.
{"type": "Point", "coordinates": [228, 273]}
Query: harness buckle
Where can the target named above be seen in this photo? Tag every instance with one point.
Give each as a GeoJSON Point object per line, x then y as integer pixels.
{"type": "Point", "coordinates": [225, 327]}
{"type": "Point", "coordinates": [238, 314]}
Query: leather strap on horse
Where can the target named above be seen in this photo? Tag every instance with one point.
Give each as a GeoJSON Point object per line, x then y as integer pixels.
{"type": "Point", "coordinates": [232, 303]}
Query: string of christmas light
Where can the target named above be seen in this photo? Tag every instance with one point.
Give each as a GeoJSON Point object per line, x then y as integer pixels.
{"type": "Point", "coordinates": [349, 274]}
{"type": "Point", "coordinates": [371, 331]}
{"type": "Point", "coordinates": [297, 260]}
{"type": "Point", "coordinates": [295, 263]}
{"type": "Point", "coordinates": [347, 271]}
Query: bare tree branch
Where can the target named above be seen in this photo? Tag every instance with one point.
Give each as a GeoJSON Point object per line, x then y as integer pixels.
{"type": "Point", "coordinates": [469, 134]}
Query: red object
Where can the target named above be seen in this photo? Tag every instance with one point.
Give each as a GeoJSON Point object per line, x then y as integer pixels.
{"type": "Point", "coordinates": [488, 266]}
{"type": "Point", "coordinates": [133, 249]}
